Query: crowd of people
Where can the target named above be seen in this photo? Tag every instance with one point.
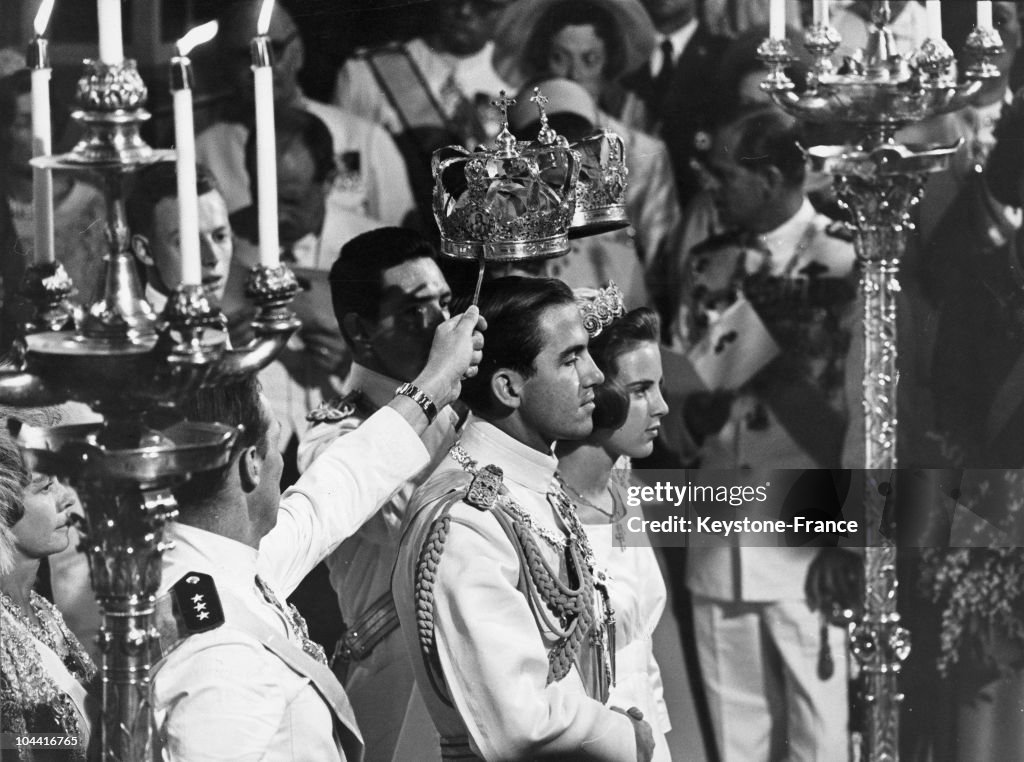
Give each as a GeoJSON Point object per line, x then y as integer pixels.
{"type": "Point", "coordinates": [440, 488]}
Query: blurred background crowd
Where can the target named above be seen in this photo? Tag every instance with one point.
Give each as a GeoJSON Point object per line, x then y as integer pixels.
{"type": "Point", "coordinates": [720, 199]}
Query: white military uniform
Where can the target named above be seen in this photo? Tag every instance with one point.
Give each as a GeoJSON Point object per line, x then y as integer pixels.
{"type": "Point", "coordinates": [371, 186]}
{"type": "Point", "coordinates": [380, 683]}
{"type": "Point", "coordinates": [492, 652]}
{"type": "Point", "coordinates": [758, 642]}
{"type": "Point", "coordinates": [223, 694]}
{"type": "Point", "coordinates": [447, 76]}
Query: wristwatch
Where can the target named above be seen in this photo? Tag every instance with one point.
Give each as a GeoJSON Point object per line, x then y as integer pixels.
{"type": "Point", "coordinates": [421, 398]}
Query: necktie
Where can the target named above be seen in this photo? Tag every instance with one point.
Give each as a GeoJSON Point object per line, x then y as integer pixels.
{"type": "Point", "coordinates": [664, 77]}
{"type": "Point", "coordinates": [297, 627]}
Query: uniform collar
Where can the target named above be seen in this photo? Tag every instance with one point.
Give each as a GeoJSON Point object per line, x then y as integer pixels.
{"type": "Point", "coordinates": [228, 561]}
{"type": "Point", "coordinates": [486, 444]}
{"type": "Point", "coordinates": [376, 387]}
{"type": "Point", "coordinates": [784, 240]}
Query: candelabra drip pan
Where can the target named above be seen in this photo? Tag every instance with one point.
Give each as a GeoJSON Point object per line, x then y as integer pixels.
{"type": "Point", "coordinates": [134, 454]}
{"type": "Point", "coordinates": [893, 159]}
{"type": "Point", "coordinates": [875, 103]}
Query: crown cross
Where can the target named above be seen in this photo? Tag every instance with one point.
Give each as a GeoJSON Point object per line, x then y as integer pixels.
{"type": "Point", "coordinates": [505, 140]}
{"type": "Point", "coordinates": [503, 102]}
{"type": "Point", "coordinates": [547, 136]}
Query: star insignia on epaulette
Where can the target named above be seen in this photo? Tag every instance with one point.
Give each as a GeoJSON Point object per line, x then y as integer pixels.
{"type": "Point", "coordinates": [196, 603]}
{"type": "Point", "coordinates": [337, 409]}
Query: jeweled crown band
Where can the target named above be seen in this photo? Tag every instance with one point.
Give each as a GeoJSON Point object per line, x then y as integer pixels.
{"type": "Point", "coordinates": [600, 310]}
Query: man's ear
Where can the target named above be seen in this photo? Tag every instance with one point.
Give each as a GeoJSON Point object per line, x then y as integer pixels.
{"type": "Point", "coordinates": [250, 468]}
{"type": "Point", "coordinates": [140, 248]}
{"type": "Point", "coordinates": [507, 387]}
{"type": "Point", "coordinates": [773, 181]}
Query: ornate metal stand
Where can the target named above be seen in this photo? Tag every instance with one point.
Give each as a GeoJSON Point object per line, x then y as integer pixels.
{"type": "Point", "coordinates": [129, 364]}
{"type": "Point", "coordinates": [879, 181]}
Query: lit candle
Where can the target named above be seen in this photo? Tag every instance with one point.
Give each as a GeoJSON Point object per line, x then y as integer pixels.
{"type": "Point", "coordinates": [111, 51]}
{"type": "Point", "coordinates": [777, 20]}
{"type": "Point", "coordinates": [185, 144]}
{"type": "Point", "coordinates": [985, 14]}
{"type": "Point", "coordinates": [266, 149]}
{"type": "Point", "coordinates": [42, 180]}
{"type": "Point", "coordinates": [934, 19]}
{"type": "Point", "coordinates": [821, 12]}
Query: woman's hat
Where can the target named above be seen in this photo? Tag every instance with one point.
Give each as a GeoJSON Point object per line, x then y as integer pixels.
{"type": "Point", "coordinates": [564, 97]}
{"type": "Point", "coordinates": [520, 24]}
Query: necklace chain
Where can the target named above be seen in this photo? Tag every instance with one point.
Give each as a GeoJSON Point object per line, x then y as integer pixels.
{"type": "Point", "coordinates": [579, 497]}
{"type": "Point", "coordinates": [470, 466]}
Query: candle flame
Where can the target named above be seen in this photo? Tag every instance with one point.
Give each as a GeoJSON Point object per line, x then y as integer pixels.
{"type": "Point", "coordinates": [43, 16]}
{"type": "Point", "coordinates": [263, 23]}
{"type": "Point", "coordinates": [197, 36]}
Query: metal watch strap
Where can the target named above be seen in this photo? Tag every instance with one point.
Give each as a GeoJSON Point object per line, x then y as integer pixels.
{"type": "Point", "coordinates": [420, 397]}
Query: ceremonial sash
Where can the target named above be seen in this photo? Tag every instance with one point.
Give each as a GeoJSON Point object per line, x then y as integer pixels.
{"type": "Point", "coordinates": [417, 106]}
{"type": "Point", "coordinates": [238, 615]}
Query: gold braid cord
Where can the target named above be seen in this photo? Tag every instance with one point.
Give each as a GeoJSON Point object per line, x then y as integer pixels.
{"type": "Point", "coordinates": [572, 608]}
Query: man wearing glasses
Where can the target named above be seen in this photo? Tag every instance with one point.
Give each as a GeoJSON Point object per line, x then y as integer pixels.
{"type": "Point", "coordinates": [371, 179]}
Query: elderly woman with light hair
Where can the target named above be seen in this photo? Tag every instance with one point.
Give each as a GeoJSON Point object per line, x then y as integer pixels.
{"type": "Point", "coordinates": [43, 667]}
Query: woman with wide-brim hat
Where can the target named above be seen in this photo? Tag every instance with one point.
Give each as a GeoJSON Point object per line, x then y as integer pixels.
{"type": "Point", "coordinates": [592, 42]}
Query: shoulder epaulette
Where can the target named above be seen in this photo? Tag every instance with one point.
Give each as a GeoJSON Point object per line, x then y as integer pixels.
{"type": "Point", "coordinates": [337, 409]}
{"type": "Point", "coordinates": [196, 603]}
{"type": "Point", "coordinates": [485, 488]}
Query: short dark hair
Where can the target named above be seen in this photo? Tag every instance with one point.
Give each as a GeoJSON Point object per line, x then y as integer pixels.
{"type": "Point", "coordinates": [236, 403]}
{"type": "Point", "coordinates": [767, 137]}
{"type": "Point", "coordinates": [355, 277]}
{"type": "Point", "coordinates": [296, 125]}
{"type": "Point", "coordinates": [574, 13]}
{"type": "Point", "coordinates": [513, 307]}
{"type": "Point", "coordinates": [151, 186]}
{"type": "Point", "coordinates": [622, 335]}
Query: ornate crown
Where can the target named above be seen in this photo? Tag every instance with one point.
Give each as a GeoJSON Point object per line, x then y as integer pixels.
{"type": "Point", "coordinates": [601, 191]}
{"type": "Point", "coordinates": [599, 308]}
{"type": "Point", "coordinates": [512, 203]}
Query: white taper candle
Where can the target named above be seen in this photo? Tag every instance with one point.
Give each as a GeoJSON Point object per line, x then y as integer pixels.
{"type": "Point", "coordinates": [111, 50]}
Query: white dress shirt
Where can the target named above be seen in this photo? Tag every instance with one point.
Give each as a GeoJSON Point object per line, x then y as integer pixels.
{"type": "Point", "coordinates": [221, 695]}
{"type": "Point", "coordinates": [493, 652]}
{"type": "Point", "coordinates": [679, 39]}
